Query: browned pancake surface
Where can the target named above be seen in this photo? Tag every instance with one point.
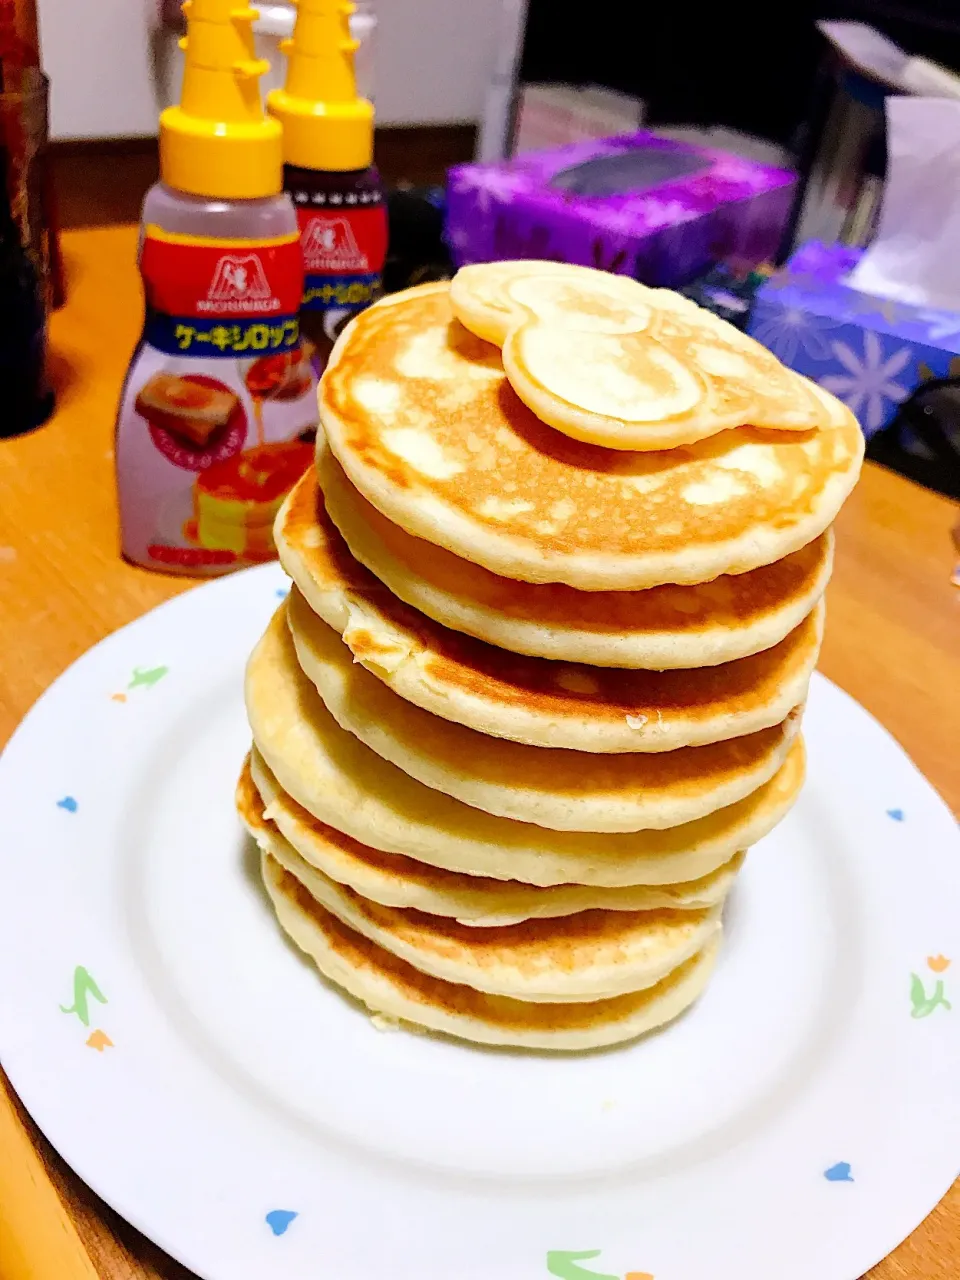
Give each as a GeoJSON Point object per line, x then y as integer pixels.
{"type": "Point", "coordinates": [675, 705]}
{"type": "Point", "coordinates": [360, 955]}
{"type": "Point", "coordinates": [730, 602]}
{"type": "Point", "coordinates": [418, 409]}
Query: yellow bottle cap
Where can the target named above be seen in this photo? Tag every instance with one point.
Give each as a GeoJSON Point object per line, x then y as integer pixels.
{"type": "Point", "coordinates": [326, 125]}
{"type": "Point", "coordinates": [218, 142]}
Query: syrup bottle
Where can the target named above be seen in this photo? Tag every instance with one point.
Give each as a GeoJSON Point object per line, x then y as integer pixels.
{"type": "Point", "coordinates": [329, 172]}
{"type": "Point", "coordinates": [219, 406]}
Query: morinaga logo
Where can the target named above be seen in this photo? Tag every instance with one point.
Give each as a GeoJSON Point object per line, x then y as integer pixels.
{"type": "Point", "coordinates": [239, 284]}
{"type": "Point", "coordinates": [330, 245]}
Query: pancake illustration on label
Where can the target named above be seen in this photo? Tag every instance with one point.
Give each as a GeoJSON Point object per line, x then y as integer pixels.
{"type": "Point", "coordinates": [538, 683]}
{"type": "Point", "coordinates": [236, 501]}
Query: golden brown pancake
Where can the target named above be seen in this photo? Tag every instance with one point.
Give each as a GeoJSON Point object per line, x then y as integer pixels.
{"type": "Point", "coordinates": [390, 986]}
{"type": "Point", "coordinates": [585, 956]}
{"type": "Point", "coordinates": [342, 782]}
{"type": "Point", "coordinates": [531, 700]}
{"type": "Point", "coordinates": [419, 414]}
{"type": "Point", "coordinates": [481, 299]}
{"type": "Point", "coordinates": [662, 628]}
{"type": "Point", "coordinates": [281, 826]}
{"type": "Point", "coordinates": [608, 361]}
{"type": "Point", "coordinates": [552, 787]}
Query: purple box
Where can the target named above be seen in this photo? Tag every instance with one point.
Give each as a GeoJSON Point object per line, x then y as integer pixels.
{"type": "Point", "coordinates": [660, 211]}
{"type": "Point", "coordinates": [871, 352]}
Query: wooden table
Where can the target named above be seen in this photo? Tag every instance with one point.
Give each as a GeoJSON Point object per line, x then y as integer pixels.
{"type": "Point", "coordinates": [893, 641]}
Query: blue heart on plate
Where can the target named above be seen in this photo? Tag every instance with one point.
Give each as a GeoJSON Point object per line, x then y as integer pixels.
{"type": "Point", "coordinates": [895, 814]}
{"type": "Point", "coordinates": [839, 1172]}
{"type": "Point", "coordinates": [279, 1219]}
{"type": "Point", "coordinates": [67, 803]}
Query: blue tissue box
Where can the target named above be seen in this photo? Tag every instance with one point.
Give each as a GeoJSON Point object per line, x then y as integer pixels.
{"type": "Point", "coordinates": [871, 352]}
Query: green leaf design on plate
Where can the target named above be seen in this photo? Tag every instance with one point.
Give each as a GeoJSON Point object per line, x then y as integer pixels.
{"type": "Point", "coordinates": [564, 1264]}
{"type": "Point", "coordinates": [83, 986]}
{"type": "Point", "coordinates": [924, 1005]}
{"type": "Point", "coordinates": [147, 678]}
{"type": "Point", "coordinates": [918, 996]}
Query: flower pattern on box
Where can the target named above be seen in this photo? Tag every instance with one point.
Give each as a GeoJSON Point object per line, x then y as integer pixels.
{"type": "Point", "coordinates": [868, 386]}
{"type": "Point", "coordinates": [789, 331]}
{"type": "Point", "coordinates": [655, 214]}
{"type": "Point", "coordinates": [489, 185]}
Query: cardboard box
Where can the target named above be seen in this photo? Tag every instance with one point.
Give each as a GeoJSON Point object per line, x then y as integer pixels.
{"type": "Point", "coordinates": [871, 352]}
{"type": "Point", "coordinates": [659, 210]}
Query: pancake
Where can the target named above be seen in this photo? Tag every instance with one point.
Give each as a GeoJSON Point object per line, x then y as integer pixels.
{"type": "Point", "coordinates": [485, 301]}
{"type": "Point", "coordinates": [586, 956]}
{"type": "Point", "coordinates": [419, 414]}
{"type": "Point", "coordinates": [533, 701]}
{"type": "Point", "coordinates": [389, 986]}
{"type": "Point", "coordinates": [283, 828]}
{"type": "Point", "coordinates": [552, 787]}
{"type": "Point", "coordinates": [662, 628]}
{"type": "Point", "coordinates": [332, 775]}
{"type": "Point", "coordinates": [609, 362]}
{"type": "Point", "coordinates": [482, 302]}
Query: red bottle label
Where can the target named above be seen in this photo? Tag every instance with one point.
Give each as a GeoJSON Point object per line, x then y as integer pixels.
{"type": "Point", "coordinates": [344, 248]}
{"type": "Point", "coordinates": [221, 298]}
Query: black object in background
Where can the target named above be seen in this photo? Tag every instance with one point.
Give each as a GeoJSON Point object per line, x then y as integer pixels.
{"type": "Point", "coordinates": [416, 252]}
{"type": "Point", "coordinates": [923, 441]}
{"type": "Point", "coordinates": [26, 400]}
{"type": "Point", "coordinates": [746, 67]}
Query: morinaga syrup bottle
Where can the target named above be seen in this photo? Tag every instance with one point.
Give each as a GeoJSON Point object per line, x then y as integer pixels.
{"type": "Point", "coordinates": [219, 406]}
{"type": "Point", "coordinates": [329, 172]}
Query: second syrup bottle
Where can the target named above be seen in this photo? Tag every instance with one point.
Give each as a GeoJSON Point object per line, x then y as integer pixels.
{"type": "Point", "coordinates": [329, 172]}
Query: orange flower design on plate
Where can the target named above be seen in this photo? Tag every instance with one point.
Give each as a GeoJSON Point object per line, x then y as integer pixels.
{"type": "Point", "coordinates": [938, 963]}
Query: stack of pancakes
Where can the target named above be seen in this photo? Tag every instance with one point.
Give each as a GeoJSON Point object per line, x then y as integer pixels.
{"type": "Point", "coordinates": [538, 683]}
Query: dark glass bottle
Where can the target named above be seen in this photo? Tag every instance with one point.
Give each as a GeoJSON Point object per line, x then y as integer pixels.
{"type": "Point", "coordinates": [27, 400]}
{"type": "Point", "coordinates": [343, 233]}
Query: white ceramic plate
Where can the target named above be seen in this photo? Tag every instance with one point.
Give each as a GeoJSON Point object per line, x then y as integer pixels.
{"type": "Point", "coordinates": [798, 1122]}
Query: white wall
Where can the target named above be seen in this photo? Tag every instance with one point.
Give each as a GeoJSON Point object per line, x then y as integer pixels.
{"type": "Point", "coordinates": [434, 59]}
{"type": "Point", "coordinates": [98, 55]}
{"type": "Point", "coordinates": [111, 73]}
